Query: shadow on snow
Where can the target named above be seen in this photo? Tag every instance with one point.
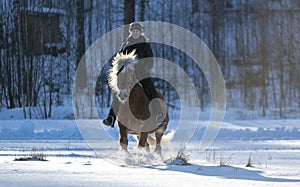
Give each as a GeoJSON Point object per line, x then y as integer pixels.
{"type": "Point", "coordinates": [226, 172]}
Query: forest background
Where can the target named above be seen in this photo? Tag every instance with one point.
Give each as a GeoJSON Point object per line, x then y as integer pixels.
{"type": "Point", "coordinates": [256, 44]}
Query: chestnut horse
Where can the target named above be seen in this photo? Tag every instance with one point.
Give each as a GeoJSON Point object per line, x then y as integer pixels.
{"type": "Point", "coordinates": [135, 111]}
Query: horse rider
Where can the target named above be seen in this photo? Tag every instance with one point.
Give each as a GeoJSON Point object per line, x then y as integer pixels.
{"type": "Point", "coordinates": [136, 41]}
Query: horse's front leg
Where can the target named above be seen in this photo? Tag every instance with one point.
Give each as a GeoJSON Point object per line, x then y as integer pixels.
{"type": "Point", "coordinates": [143, 141]}
{"type": "Point", "coordinates": [123, 137]}
{"type": "Point", "coordinates": [158, 136]}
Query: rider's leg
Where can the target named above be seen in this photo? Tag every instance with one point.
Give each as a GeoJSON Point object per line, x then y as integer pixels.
{"type": "Point", "coordinates": [110, 120]}
{"type": "Point", "coordinates": [152, 94]}
{"type": "Point", "coordinates": [149, 88]}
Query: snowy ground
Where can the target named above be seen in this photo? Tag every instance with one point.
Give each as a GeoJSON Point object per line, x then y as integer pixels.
{"type": "Point", "coordinates": [72, 163]}
{"type": "Point", "coordinates": [273, 147]}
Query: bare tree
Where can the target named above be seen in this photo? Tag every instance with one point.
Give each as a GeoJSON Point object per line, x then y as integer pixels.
{"type": "Point", "coordinates": [129, 14]}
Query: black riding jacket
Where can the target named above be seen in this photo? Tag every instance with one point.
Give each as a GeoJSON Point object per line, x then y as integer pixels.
{"type": "Point", "coordinates": [143, 50]}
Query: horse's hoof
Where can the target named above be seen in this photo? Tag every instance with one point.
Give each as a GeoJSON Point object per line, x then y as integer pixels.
{"type": "Point", "coordinates": [145, 149]}
{"type": "Point", "coordinates": [157, 152]}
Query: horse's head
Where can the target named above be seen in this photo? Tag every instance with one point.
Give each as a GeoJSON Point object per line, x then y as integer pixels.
{"type": "Point", "coordinates": [122, 76]}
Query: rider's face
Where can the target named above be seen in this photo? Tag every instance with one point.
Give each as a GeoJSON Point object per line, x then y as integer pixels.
{"type": "Point", "coordinates": [135, 33]}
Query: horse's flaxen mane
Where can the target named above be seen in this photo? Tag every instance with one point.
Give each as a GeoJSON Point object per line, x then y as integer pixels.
{"type": "Point", "coordinates": [119, 61]}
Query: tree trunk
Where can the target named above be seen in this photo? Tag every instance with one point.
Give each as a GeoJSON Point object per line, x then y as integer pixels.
{"type": "Point", "coordinates": [129, 13]}
{"type": "Point", "coordinates": [80, 42]}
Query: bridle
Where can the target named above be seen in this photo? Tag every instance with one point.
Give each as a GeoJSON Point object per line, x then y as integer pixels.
{"type": "Point", "coordinates": [120, 70]}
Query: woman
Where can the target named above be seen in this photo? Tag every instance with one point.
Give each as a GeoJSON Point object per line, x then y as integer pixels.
{"type": "Point", "coordinates": [136, 41]}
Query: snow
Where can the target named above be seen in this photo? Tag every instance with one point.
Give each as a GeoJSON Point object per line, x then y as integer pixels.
{"type": "Point", "coordinates": [79, 166]}
{"type": "Point", "coordinates": [273, 147]}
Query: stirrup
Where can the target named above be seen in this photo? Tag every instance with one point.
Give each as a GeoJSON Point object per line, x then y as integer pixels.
{"type": "Point", "coordinates": [109, 121]}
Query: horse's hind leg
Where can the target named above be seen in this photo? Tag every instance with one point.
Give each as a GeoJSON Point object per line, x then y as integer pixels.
{"type": "Point", "coordinates": [123, 137]}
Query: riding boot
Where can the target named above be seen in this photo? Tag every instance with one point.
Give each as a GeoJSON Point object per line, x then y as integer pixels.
{"type": "Point", "coordinates": [110, 120]}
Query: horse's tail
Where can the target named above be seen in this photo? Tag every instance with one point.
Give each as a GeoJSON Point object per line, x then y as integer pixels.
{"type": "Point", "coordinates": [164, 140]}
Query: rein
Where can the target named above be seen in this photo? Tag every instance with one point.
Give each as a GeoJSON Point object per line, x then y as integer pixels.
{"type": "Point", "coordinates": [120, 70]}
